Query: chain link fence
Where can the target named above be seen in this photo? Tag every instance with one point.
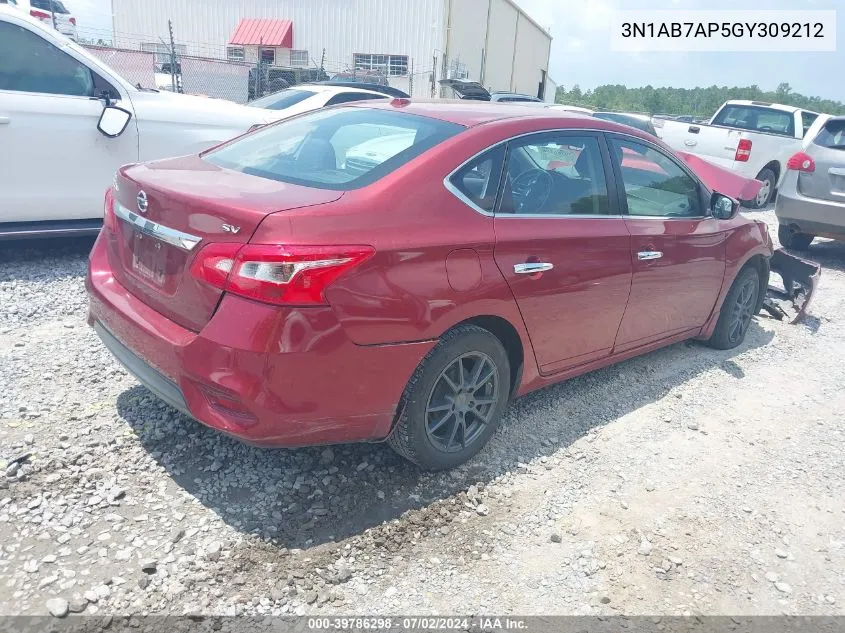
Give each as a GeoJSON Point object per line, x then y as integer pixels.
{"type": "Point", "coordinates": [169, 67]}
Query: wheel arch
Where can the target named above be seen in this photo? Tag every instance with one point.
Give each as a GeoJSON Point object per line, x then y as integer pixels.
{"type": "Point", "coordinates": [761, 263]}
{"type": "Point", "coordinates": [510, 339]}
{"type": "Point", "coordinates": [774, 165]}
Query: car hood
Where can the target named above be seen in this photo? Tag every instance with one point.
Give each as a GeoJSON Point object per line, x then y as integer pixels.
{"type": "Point", "coordinates": [722, 180]}
{"type": "Point", "coordinates": [175, 107]}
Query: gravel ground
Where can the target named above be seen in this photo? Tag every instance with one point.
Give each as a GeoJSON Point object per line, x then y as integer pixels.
{"type": "Point", "coordinates": [688, 481]}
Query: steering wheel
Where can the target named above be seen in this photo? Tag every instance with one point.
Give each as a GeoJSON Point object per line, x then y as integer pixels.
{"type": "Point", "coordinates": [765, 128]}
{"type": "Point", "coordinates": [531, 190]}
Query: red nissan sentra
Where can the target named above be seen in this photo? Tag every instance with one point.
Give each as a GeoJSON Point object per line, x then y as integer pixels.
{"type": "Point", "coordinates": [401, 270]}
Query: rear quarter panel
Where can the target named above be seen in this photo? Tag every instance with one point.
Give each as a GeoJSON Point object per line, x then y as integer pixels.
{"type": "Point", "coordinates": [407, 292]}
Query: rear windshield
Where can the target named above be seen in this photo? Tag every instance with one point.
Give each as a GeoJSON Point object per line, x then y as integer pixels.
{"type": "Point", "coordinates": [634, 122]}
{"type": "Point", "coordinates": [341, 148]}
{"type": "Point", "coordinates": [282, 99]}
{"type": "Point", "coordinates": [756, 119]}
{"type": "Point", "coordinates": [832, 135]}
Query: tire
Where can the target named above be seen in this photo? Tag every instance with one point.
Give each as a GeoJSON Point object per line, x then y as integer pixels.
{"type": "Point", "coordinates": [421, 435]}
{"type": "Point", "coordinates": [769, 183]}
{"type": "Point", "coordinates": [739, 307]}
{"type": "Point", "coordinates": [790, 238]}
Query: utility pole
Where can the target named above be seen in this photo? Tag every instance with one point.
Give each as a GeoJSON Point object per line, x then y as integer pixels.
{"type": "Point", "coordinates": [53, 15]}
{"type": "Point", "coordinates": [323, 63]}
{"type": "Point", "coordinates": [433, 75]}
{"type": "Point", "coordinates": [411, 78]}
{"type": "Point", "coordinates": [172, 56]}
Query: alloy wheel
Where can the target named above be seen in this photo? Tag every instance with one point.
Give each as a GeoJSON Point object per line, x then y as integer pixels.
{"type": "Point", "coordinates": [462, 402]}
{"type": "Point", "coordinates": [742, 311]}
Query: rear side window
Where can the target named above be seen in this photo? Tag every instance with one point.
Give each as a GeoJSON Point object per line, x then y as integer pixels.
{"type": "Point", "coordinates": [832, 135]}
{"type": "Point", "coordinates": [340, 149]}
{"type": "Point", "coordinates": [478, 180]}
{"type": "Point", "coordinates": [29, 63]}
{"type": "Point", "coordinates": [283, 99]}
{"type": "Point", "coordinates": [756, 119]}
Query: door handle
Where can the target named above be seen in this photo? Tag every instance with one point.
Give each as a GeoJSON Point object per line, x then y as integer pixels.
{"type": "Point", "coordinates": [645, 256]}
{"type": "Point", "coordinates": [532, 268]}
{"type": "Point", "coordinates": [690, 143]}
{"type": "Point", "coordinates": [4, 120]}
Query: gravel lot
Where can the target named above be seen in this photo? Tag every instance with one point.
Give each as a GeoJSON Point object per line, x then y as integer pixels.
{"type": "Point", "coordinates": [689, 481]}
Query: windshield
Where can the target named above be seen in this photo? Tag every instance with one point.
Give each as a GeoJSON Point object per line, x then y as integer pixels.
{"type": "Point", "coordinates": [624, 119]}
{"type": "Point", "coordinates": [282, 99]}
{"type": "Point", "coordinates": [341, 149]}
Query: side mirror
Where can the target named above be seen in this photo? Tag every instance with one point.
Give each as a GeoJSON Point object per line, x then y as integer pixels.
{"type": "Point", "coordinates": [113, 121]}
{"type": "Point", "coordinates": [722, 207]}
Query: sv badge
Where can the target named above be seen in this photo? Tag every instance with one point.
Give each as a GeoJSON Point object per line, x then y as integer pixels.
{"type": "Point", "coordinates": [231, 228]}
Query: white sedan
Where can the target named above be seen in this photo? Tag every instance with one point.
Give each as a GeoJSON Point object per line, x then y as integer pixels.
{"type": "Point", "coordinates": [307, 97]}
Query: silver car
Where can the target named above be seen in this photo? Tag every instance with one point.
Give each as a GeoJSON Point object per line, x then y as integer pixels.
{"type": "Point", "coordinates": [811, 195]}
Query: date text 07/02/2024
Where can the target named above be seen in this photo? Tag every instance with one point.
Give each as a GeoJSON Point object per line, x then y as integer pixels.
{"type": "Point", "coordinates": [424, 623]}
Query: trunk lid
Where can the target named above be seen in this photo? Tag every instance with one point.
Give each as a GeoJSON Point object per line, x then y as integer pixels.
{"type": "Point", "coordinates": [466, 89]}
{"type": "Point", "coordinates": [167, 211]}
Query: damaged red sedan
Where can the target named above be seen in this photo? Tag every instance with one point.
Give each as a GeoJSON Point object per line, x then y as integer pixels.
{"type": "Point", "coordinates": [399, 271]}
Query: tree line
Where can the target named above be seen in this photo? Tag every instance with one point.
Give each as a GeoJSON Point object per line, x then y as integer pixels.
{"type": "Point", "coordinates": [699, 102]}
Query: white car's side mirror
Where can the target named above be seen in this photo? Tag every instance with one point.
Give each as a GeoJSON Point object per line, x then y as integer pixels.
{"type": "Point", "coordinates": [113, 121]}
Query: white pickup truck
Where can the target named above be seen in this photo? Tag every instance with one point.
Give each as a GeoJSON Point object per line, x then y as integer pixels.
{"type": "Point", "coordinates": [753, 138]}
{"type": "Point", "coordinates": [68, 122]}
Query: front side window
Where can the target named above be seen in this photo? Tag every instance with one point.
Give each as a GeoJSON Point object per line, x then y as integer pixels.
{"type": "Point", "coordinates": [555, 174]}
{"type": "Point", "coordinates": [478, 180]}
{"type": "Point", "coordinates": [655, 186]}
{"type": "Point", "coordinates": [340, 149]}
{"type": "Point", "coordinates": [29, 63]}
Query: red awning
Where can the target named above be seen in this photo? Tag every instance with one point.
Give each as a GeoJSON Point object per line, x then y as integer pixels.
{"type": "Point", "coordinates": [263, 32]}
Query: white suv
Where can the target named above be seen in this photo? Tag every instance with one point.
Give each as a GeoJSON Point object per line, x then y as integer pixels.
{"type": "Point", "coordinates": [67, 122]}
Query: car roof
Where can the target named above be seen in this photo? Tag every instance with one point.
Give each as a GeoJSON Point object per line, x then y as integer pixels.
{"type": "Point", "coordinates": [630, 115]}
{"type": "Point", "coordinates": [471, 113]}
{"type": "Point", "coordinates": [764, 104]}
{"type": "Point", "coordinates": [334, 89]}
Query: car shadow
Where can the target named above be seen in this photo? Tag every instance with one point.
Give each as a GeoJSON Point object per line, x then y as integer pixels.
{"type": "Point", "coordinates": [44, 258]}
{"type": "Point", "coordinates": [828, 253]}
{"type": "Point", "coordinates": [299, 498]}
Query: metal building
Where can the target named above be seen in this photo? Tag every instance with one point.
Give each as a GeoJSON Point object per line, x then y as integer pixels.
{"type": "Point", "coordinates": [414, 43]}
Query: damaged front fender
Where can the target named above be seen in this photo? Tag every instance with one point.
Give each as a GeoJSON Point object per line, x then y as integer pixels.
{"type": "Point", "coordinates": [800, 279]}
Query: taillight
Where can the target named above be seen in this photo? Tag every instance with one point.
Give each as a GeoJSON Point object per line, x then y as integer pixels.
{"type": "Point", "coordinates": [282, 275]}
{"type": "Point", "coordinates": [743, 150]}
{"type": "Point", "coordinates": [801, 162]}
{"type": "Point", "coordinates": [72, 21]}
{"type": "Point", "coordinates": [214, 263]}
{"type": "Point", "coordinates": [39, 15]}
{"type": "Point", "coordinates": [109, 218]}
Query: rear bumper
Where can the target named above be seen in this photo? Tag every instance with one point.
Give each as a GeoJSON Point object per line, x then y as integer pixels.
{"type": "Point", "coordinates": [267, 375]}
{"type": "Point", "coordinates": [810, 215]}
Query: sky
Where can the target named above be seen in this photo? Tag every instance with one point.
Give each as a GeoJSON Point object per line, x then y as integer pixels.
{"type": "Point", "coordinates": [581, 48]}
